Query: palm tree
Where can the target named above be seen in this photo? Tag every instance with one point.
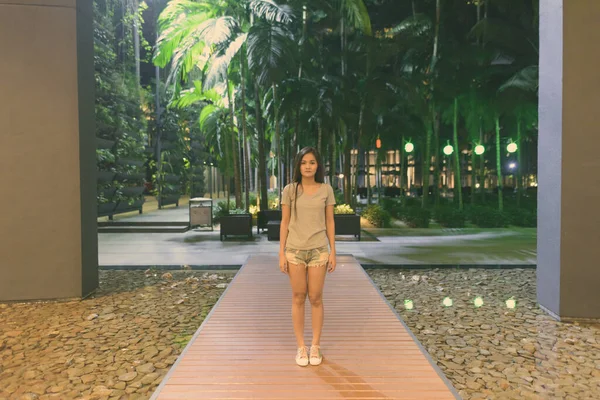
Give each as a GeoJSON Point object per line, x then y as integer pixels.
{"type": "Point", "coordinates": [207, 36]}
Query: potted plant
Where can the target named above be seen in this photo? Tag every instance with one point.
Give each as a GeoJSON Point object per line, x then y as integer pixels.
{"type": "Point", "coordinates": [346, 221]}
{"type": "Point", "coordinates": [236, 223]}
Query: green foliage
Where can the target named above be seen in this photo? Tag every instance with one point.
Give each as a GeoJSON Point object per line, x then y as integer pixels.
{"type": "Point", "coordinates": [450, 217]}
{"type": "Point", "coordinates": [487, 217]}
{"type": "Point", "coordinates": [343, 209]}
{"type": "Point", "coordinates": [417, 217]}
{"type": "Point", "coordinates": [523, 218]}
{"type": "Point", "coordinates": [220, 210]}
{"type": "Point", "coordinates": [377, 216]}
{"type": "Point", "coordinates": [119, 115]}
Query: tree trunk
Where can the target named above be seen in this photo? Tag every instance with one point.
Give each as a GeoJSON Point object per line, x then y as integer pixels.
{"type": "Point", "coordinates": [262, 156]}
{"type": "Point", "coordinates": [519, 180]}
{"type": "Point", "coordinates": [436, 152]}
{"type": "Point", "coordinates": [277, 140]}
{"type": "Point", "coordinates": [427, 163]}
{"type": "Point", "coordinates": [347, 173]}
{"type": "Point", "coordinates": [473, 176]}
{"type": "Point", "coordinates": [245, 132]}
{"type": "Point", "coordinates": [457, 180]}
{"type": "Point", "coordinates": [403, 165]}
{"type": "Point", "coordinates": [136, 41]}
{"type": "Point", "coordinates": [499, 165]}
{"type": "Point", "coordinates": [367, 175]}
{"type": "Point", "coordinates": [234, 151]}
{"type": "Point", "coordinates": [320, 137]}
{"type": "Point", "coordinates": [331, 158]}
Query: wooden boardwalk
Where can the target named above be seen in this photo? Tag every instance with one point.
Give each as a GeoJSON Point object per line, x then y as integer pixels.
{"type": "Point", "coordinates": [245, 348]}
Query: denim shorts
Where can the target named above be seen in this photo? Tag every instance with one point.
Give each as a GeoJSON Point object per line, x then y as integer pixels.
{"type": "Point", "coordinates": [311, 258]}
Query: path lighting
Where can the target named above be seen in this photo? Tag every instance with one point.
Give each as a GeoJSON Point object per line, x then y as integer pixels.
{"type": "Point", "coordinates": [512, 147]}
{"type": "Point", "coordinates": [512, 165]}
{"type": "Point", "coordinates": [447, 302]}
{"type": "Point", "coordinates": [409, 147]}
{"type": "Point", "coordinates": [479, 149]}
{"type": "Point", "coordinates": [448, 150]}
{"type": "Point", "coordinates": [478, 302]}
{"type": "Point", "coordinates": [511, 303]}
{"type": "Point", "coordinates": [408, 304]}
{"type": "Point", "coordinates": [341, 176]}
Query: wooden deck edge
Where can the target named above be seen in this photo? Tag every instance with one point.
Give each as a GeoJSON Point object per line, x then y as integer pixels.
{"type": "Point", "coordinates": [196, 334]}
{"type": "Point", "coordinates": [433, 364]}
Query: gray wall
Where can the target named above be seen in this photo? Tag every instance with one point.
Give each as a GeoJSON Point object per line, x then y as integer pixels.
{"type": "Point", "coordinates": [48, 241]}
{"type": "Point", "coordinates": [569, 165]}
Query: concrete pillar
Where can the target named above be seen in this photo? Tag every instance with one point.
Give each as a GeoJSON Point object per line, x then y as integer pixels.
{"type": "Point", "coordinates": [569, 160]}
{"type": "Point", "coordinates": [48, 237]}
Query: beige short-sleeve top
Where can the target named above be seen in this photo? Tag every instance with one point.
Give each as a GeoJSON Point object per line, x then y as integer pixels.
{"type": "Point", "coordinates": [307, 229]}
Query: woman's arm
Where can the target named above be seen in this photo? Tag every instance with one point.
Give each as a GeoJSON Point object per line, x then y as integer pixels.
{"type": "Point", "coordinates": [283, 229]}
{"type": "Point", "coordinates": [330, 225]}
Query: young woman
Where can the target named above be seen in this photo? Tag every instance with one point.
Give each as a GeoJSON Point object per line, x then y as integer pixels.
{"type": "Point", "coordinates": [307, 246]}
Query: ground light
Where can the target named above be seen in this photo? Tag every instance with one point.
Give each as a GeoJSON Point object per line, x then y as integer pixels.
{"type": "Point", "coordinates": [478, 302]}
{"type": "Point", "coordinates": [511, 303]}
{"type": "Point", "coordinates": [479, 149]}
{"type": "Point", "coordinates": [447, 302]}
{"type": "Point", "coordinates": [408, 304]}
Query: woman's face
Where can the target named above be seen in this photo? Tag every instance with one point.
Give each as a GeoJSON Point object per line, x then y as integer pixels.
{"type": "Point", "coordinates": [308, 165]}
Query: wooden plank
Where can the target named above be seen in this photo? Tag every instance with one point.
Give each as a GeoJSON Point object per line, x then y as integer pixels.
{"type": "Point", "coordinates": [245, 348]}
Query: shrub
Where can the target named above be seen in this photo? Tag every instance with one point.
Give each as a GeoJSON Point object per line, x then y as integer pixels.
{"type": "Point", "coordinates": [417, 217]}
{"type": "Point", "coordinates": [487, 217]}
{"type": "Point", "coordinates": [523, 218]}
{"type": "Point", "coordinates": [343, 209]}
{"type": "Point", "coordinates": [450, 217]}
{"type": "Point", "coordinates": [377, 216]}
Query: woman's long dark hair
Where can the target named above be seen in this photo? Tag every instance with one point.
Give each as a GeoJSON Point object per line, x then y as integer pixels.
{"type": "Point", "coordinates": [319, 175]}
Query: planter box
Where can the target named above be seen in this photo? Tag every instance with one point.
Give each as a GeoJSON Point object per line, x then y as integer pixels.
{"type": "Point", "coordinates": [168, 199]}
{"type": "Point", "coordinates": [133, 191]}
{"type": "Point", "coordinates": [131, 177]}
{"type": "Point", "coordinates": [123, 206]}
{"type": "Point", "coordinates": [130, 162]}
{"type": "Point", "coordinates": [236, 225]}
{"type": "Point", "coordinates": [263, 218]}
{"type": "Point", "coordinates": [106, 209]}
{"type": "Point", "coordinates": [347, 224]}
{"type": "Point", "coordinates": [171, 178]}
{"type": "Point", "coordinates": [105, 176]}
{"type": "Point", "coordinates": [104, 143]}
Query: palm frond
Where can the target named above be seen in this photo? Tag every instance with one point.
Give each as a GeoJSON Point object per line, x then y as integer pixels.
{"type": "Point", "coordinates": [219, 65]}
{"type": "Point", "coordinates": [357, 14]}
{"type": "Point", "coordinates": [268, 50]}
{"type": "Point", "coordinates": [272, 11]}
{"type": "Point", "coordinates": [526, 79]}
{"type": "Point", "coordinates": [417, 25]}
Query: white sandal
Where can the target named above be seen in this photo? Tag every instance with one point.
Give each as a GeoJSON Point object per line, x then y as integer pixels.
{"type": "Point", "coordinates": [302, 356]}
{"type": "Point", "coordinates": [316, 357]}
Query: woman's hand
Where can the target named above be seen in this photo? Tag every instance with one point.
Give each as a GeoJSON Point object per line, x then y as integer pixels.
{"type": "Point", "coordinates": [283, 265]}
{"type": "Point", "coordinates": [331, 263]}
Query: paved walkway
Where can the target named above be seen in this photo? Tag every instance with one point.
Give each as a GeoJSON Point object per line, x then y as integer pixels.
{"type": "Point", "coordinates": [245, 348]}
{"type": "Point", "coordinates": [203, 248]}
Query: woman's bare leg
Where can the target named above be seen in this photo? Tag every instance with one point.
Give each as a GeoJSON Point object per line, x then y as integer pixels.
{"type": "Point", "coordinates": [316, 281]}
{"type": "Point", "coordinates": [297, 275]}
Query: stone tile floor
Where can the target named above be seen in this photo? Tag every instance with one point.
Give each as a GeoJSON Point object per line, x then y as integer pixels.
{"type": "Point", "coordinates": [122, 341]}
{"type": "Point", "coordinates": [494, 351]}
{"type": "Point", "coordinates": [117, 344]}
